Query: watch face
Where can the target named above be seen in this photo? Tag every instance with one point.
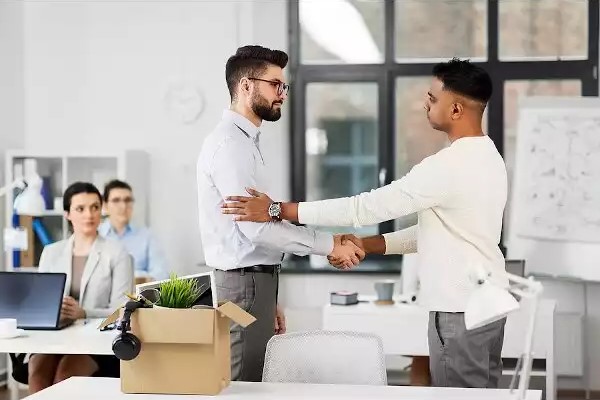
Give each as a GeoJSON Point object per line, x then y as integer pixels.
{"type": "Point", "coordinates": [274, 210]}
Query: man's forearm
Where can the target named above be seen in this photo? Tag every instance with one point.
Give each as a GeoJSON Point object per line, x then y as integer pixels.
{"type": "Point", "coordinates": [288, 238]}
{"type": "Point", "coordinates": [374, 244]}
{"type": "Point", "coordinates": [289, 211]}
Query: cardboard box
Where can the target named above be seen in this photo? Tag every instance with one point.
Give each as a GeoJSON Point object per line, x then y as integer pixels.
{"type": "Point", "coordinates": [184, 351]}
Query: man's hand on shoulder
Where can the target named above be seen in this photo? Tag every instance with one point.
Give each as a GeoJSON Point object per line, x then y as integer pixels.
{"type": "Point", "coordinates": [254, 208]}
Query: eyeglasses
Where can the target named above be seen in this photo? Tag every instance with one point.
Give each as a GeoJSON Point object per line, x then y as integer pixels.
{"type": "Point", "coordinates": [282, 87]}
{"type": "Point", "coordinates": [118, 200]}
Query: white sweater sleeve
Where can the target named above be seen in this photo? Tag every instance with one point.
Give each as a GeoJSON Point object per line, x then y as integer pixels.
{"type": "Point", "coordinates": [425, 186]}
{"type": "Point", "coordinates": [401, 242]}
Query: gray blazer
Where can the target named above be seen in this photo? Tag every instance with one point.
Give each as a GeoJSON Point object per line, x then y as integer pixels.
{"type": "Point", "coordinates": [107, 275]}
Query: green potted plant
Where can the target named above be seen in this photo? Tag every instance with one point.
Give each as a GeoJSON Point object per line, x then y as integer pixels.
{"type": "Point", "coordinates": [178, 293]}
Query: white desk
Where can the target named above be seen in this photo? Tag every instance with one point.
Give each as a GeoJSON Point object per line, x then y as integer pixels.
{"type": "Point", "coordinates": [403, 329]}
{"type": "Point", "coordinates": [109, 388]}
{"type": "Point", "coordinates": [83, 337]}
{"type": "Point", "coordinates": [79, 338]}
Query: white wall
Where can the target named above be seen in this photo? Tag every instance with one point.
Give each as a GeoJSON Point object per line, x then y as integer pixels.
{"type": "Point", "coordinates": [11, 90]}
{"type": "Point", "coordinates": [96, 75]}
{"type": "Point", "coordinates": [570, 298]}
{"type": "Point", "coordinates": [11, 77]}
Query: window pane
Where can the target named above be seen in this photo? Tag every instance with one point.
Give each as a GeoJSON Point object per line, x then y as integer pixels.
{"type": "Point", "coordinates": [512, 91]}
{"type": "Point", "coordinates": [341, 31]}
{"type": "Point", "coordinates": [341, 141]}
{"type": "Point", "coordinates": [434, 29]}
{"type": "Point", "coordinates": [534, 29]}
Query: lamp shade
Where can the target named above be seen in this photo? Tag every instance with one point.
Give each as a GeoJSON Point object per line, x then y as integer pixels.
{"type": "Point", "coordinates": [30, 201]}
{"type": "Point", "coordinates": [488, 303]}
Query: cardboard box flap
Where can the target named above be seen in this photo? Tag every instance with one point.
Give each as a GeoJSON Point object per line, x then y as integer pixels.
{"type": "Point", "coordinates": [236, 314]}
{"type": "Point", "coordinates": [170, 325]}
{"type": "Point", "coordinates": [112, 318]}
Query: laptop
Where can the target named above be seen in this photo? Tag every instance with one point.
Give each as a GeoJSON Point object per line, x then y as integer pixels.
{"type": "Point", "coordinates": [33, 298]}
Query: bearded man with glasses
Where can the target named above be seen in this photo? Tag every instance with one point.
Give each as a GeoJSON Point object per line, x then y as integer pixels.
{"type": "Point", "coordinates": [246, 256]}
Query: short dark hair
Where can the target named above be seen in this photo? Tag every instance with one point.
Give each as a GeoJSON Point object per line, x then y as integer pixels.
{"type": "Point", "coordinates": [251, 61]}
{"type": "Point", "coordinates": [115, 184]}
{"type": "Point", "coordinates": [464, 78]}
{"type": "Point", "coordinates": [78, 188]}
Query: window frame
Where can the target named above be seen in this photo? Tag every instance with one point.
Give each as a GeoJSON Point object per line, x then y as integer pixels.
{"type": "Point", "coordinates": [385, 75]}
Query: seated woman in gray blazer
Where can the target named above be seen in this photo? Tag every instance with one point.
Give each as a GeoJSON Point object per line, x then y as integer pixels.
{"type": "Point", "coordinates": [99, 273]}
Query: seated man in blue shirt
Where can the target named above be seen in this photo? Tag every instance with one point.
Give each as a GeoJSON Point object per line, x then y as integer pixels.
{"type": "Point", "coordinates": [148, 257]}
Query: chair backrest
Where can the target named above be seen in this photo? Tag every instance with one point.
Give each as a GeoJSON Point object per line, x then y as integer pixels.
{"type": "Point", "coordinates": [20, 368]}
{"type": "Point", "coordinates": [333, 357]}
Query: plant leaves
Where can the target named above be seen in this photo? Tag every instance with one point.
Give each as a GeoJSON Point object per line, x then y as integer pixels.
{"type": "Point", "coordinates": [178, 293]}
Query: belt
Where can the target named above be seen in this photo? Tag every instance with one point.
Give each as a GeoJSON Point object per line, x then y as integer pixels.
{"type": "Point", "coordinates": [267, 269]}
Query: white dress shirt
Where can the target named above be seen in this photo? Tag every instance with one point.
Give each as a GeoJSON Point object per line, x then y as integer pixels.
{"type": "Point", "coordinates": [459, 195]}
{"type": "Point", "coordinates": [230, 161]}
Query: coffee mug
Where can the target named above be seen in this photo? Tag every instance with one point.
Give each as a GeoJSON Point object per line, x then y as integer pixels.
{"type": "Point", "coordinates": [8, 326]}
{"type": "Point", "coordinates": [384, 290]}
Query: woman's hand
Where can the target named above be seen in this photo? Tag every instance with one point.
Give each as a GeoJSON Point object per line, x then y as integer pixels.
{"type": "Point", "coordinates": [71, 310]}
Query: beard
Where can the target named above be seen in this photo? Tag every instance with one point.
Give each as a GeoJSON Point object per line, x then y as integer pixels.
{"type": "Point", "coordinates": [264, 110]}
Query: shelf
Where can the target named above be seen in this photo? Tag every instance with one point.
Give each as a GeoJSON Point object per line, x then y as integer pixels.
{"type": "Point", "coordinates": [59, 170]}
{"type": "Point", "coordinates": [510, 372]}
{"type": "Point", "coordinates": [51, 213]}
{"type": "Point", "coordinates": [538, 367]}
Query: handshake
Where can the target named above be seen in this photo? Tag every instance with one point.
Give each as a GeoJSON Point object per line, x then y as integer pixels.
{"type": "Point", "coordinates": [348, 251]}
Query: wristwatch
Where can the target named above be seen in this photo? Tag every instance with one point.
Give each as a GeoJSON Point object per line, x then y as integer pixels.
{"type": "Point", "coordinates": [275, 211]}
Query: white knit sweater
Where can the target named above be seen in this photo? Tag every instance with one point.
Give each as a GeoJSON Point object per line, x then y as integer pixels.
{"type": "Point", "coordinates": [459, 194]}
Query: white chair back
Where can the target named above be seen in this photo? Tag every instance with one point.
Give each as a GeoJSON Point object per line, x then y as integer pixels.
{"type": "Point", "coordinates": [332, 357]}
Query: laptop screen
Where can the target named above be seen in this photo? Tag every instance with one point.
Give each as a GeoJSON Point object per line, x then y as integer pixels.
{"type": "Point", "coordinates": [33, 298]}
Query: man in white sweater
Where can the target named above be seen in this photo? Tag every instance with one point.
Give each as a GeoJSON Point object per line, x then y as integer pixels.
{"type": "Point", "coordinates": [459, 194]}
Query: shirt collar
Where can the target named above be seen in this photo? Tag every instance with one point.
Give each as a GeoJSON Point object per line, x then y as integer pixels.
{"type": "Point", "coordinates": [106, 228]}
{"type": "Point", "coordinates": [241, 122]}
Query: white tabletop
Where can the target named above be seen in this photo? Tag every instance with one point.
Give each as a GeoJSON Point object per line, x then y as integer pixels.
{"type": "Point", "coordinates": [403, 327]}
{"type": "Point", "coordinates": [109, 388]}
{"type": "Point", "coordinates": [83, 337]}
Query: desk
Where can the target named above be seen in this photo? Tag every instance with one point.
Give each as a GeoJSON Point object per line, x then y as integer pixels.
{"type": "Point", "coordinates": [79, 338]}
{"type": "Point", "coordinates": [403, 329]}
{"type": "Point", "coordinates": [109, 388]}
{"type": "Point", "coordinates": [83, 337]}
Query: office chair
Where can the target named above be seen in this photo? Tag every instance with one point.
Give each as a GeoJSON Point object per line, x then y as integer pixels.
{"type": "Point", "coordinates": [333, 357]}
{"type": "Point", "coordinates": [20, 368]}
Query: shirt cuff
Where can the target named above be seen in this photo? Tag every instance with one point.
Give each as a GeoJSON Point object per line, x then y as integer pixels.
{"type": "Point", "coordinates": [307, 213]}
{"type": "Point", "coordinates": [401, 242]}
{"type": "Point", "coordinates": [323, 243]}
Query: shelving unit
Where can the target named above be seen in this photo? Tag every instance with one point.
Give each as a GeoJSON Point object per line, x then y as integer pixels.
{"type": "Point", "coordinates": [59, 170]}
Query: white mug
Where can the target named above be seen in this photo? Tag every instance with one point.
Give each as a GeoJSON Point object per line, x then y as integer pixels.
{"type": "Point", "coordinates": [8, 326]}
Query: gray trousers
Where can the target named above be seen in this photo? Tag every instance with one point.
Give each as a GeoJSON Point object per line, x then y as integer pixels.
{"type": "Point", "coordinates": [461, 358]}
{"type": "Point", "coordinates": [256, 293]}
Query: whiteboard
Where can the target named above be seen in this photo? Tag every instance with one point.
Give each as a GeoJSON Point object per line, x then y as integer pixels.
{"type": "Point", "coordinates": [555, 199]}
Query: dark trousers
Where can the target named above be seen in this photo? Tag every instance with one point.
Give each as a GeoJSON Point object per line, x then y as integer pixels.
{"type": "Point", "coordinates": [461, 358]}
{"type": "Point", "coordinates": [256, 293]}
